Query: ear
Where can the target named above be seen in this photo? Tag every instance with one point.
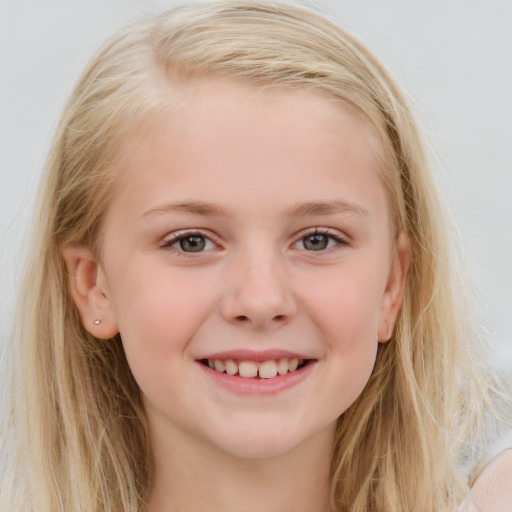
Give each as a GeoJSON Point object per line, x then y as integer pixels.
{"type": "Point", "coordinates": [395, 289]}
{"type": "Point", "coordinates": [90, 292]}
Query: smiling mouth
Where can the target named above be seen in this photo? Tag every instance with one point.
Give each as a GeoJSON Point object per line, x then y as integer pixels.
{"type": "Point", "coordinates": [256, 370]}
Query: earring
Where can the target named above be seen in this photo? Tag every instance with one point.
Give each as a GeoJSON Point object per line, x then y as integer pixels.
{"type": "Point", "coordinates": [97, 321]}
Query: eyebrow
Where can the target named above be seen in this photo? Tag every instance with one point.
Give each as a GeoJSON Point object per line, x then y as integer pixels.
{"type": "Point", "coordinates": [326, 208]}
{"type": "Point", "coordinates": [191, 207]}
{"type": "Point", "coordinates": [298, 210]}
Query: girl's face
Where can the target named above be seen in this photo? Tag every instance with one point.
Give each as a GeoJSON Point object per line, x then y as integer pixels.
{"type": "Point", "coordinates": [251, 233]}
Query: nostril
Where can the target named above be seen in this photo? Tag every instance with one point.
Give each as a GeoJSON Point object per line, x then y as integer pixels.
{"type": "Point", "coordinates": [247, 319]}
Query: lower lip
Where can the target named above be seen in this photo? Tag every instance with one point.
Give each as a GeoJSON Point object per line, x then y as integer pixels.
{"type": "Point", "coordinates": [255, 386]}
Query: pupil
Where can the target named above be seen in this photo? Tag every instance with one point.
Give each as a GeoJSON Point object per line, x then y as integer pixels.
{"type": "Point", "coordinates": [316, 242]}
{"type": "Point", "coordinates": [192, 243]}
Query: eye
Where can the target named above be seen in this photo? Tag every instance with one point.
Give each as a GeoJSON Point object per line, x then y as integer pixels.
{"type": "Point", "coordinates": [315, 242]}
{"type": "Point", "coordinates": [190, 242]}
{"type": "Point", "coordinates": [319, 241]}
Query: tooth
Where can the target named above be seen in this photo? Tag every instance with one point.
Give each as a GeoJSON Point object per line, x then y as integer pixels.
{"type": "Point", "coordinates": [219, 365]}
{"type": "Point", "coordinates": [247, 369]}
{"type": "Point", "coordinates": [282, 366]}
{"type": "Point", "coordinates": [268, 369]}
{"type": "Point", "coordinates": [231, 367]}
{"type": "Point", "coordinates": [292, 365]}
{"type": "Point", "coordinates": [211, 364]}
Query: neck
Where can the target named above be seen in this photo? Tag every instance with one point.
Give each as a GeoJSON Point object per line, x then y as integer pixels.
{"type": "Point", "coordinates": [200, 478]}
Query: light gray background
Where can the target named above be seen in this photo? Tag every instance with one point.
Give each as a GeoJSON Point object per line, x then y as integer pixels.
{"type": "Point", "coordinates": [454, 57]}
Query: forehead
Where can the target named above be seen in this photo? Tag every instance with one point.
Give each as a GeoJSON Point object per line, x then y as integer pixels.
{"type": "Point", "coordinates": [225, 140]}
{"type": "Point", "coordinates": [182, 101]}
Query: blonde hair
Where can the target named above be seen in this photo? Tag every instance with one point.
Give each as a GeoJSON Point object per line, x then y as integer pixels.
{"type": "Point", "coordinates": [401, 445]}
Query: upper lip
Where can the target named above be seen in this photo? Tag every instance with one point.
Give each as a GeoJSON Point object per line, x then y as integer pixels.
{"type": "Point", "coordinates": [255, 355]}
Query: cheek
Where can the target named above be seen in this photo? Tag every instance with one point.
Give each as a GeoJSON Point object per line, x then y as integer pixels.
{"type": "Point", "coordinates": [347, 306]}
{"type": "Point", "coordinates": [352, 347]}
{"type": "Point", "coordinates": [158, 313]}
{"type": "Point", "coordinates": [346, 312]}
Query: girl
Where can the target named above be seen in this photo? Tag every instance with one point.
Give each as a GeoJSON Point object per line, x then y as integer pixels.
{"type": "Point", "coordinates": [242, 294]}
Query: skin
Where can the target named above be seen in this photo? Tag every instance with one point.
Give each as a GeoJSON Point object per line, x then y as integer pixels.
{"type": "Point", "coordinates": [492, 491]}
{"type": "Point", "coordinates": [274, 167]}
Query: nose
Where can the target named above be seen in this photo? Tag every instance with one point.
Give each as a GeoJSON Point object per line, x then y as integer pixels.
{"type": "Point", "coordinates": [258, 294]}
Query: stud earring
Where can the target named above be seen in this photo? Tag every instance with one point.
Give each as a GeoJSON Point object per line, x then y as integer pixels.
{"type": "Point", "coordinates": [97, 321]}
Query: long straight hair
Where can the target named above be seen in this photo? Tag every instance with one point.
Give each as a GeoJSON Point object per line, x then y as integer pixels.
{"type": "Point", "coordinates": [82, 428]}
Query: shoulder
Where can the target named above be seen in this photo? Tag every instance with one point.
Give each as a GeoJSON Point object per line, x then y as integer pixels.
{"type": "Point", "coordinates": [492, 490]}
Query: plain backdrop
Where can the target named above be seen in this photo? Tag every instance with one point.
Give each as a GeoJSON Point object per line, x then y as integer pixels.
{"type": "Point", "coordinates": [454, 58]}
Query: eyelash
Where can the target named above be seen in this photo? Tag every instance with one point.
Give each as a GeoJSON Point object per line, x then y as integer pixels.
{"type": "Point", "coordinates": [183, 235]}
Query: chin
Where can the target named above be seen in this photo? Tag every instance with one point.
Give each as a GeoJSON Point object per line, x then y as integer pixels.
{"type": "Point", "coordinates": [259, 449]}
{"type": "Point", "coordinates": [270, 441]}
